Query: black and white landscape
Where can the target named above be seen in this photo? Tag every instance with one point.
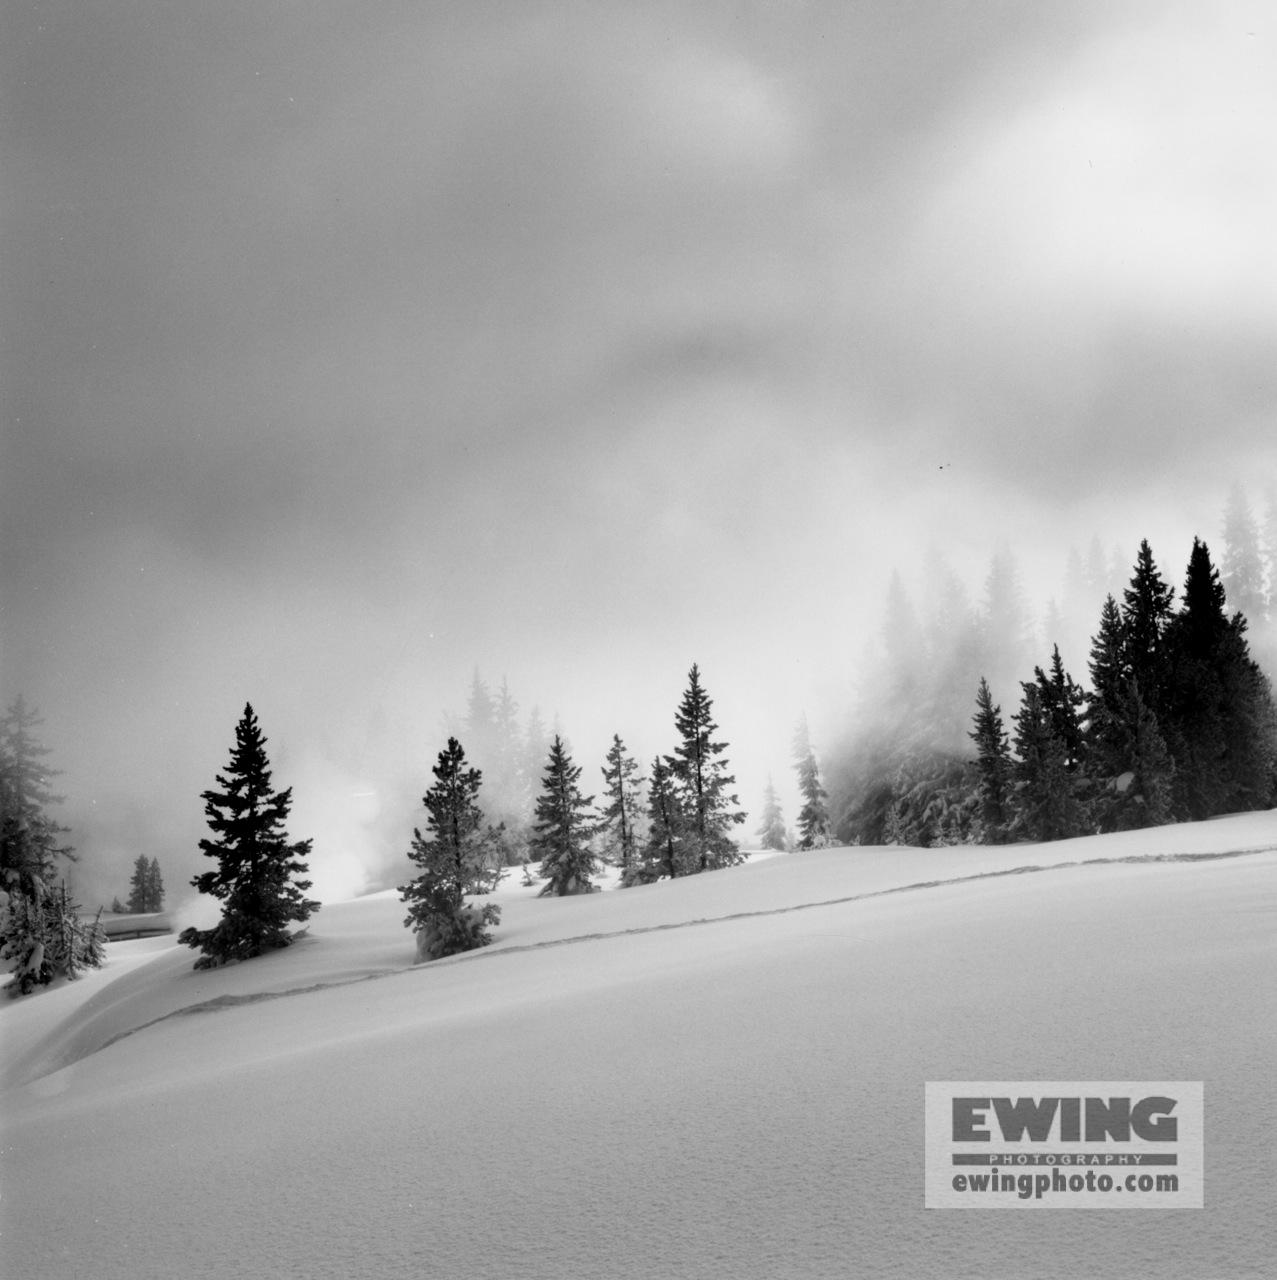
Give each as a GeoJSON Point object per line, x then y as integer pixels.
{"type": "Point", "coordinates": [815, 462]}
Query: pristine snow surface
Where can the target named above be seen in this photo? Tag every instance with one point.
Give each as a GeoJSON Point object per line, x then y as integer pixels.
{"type": "Point", "coordinates": [719, 1077]}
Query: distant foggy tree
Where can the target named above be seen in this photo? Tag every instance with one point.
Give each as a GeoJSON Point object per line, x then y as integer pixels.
{"type": "Point", "coordinates": [771, 830]}
{"type": "Point", "coordinates": [146, 889]}
{"type": "Point", "coordinates": [155, 886]}
{"type": "Point", "coordinates": [622, 813]}
{"type": "Point", "coordinates": [452, 857]}
{"type": "Point", "coordinates": [813, 817]}
{"type": "Point", "coordinates": [139, 886]}
{"type": "Point", "coordinates": [29, 836]}
{"type": "Point", "coordinates": [993, 768]}
{"type": "Point", "coordinates": [256, 876]}
{"type": "Point", "coordinates": [564, 827]}
{"type": "Point", "coordinates": [117, 908]}
{"type": "Point", "coordinates": [1006, 640]}
{"type": "Point", "coordinates": [903, 644]}
{"type": "Point", "coordinates": [1242, 564]}
{"type": "Point", "coordinates": [1269, 541]}
{"type": "Point", "coordinates": [536, 750]}
{"type": "Point", "coordinates": [700, 773]}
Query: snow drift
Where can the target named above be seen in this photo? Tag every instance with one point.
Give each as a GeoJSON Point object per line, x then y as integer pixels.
{"type": "Point", "coordinates": [718, 1077]}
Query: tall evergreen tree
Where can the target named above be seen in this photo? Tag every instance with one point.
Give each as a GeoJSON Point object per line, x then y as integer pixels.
{"type": "Point", "coordinates": [452, 858]}
{"type": "Point", "coordinates": [564, 827]}
{"type": "Point", "coordinates": [621, 815]}
{"type": "Point", "coordinates": [700, 772]}
{"type": "Point", "coordinates": [813, 817]}
{"type": "Point", "coordinates": [771, 830]}
{"type": "Point", "coordinates": [1221, 731]}
{"type": "Point", "coordinates": [993, 768]}
{"type": "Point", "coordinates": [257, 866]}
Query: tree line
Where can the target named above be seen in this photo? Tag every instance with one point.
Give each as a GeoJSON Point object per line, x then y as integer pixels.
{"type": "Point", "coordinates": [1177, 724]}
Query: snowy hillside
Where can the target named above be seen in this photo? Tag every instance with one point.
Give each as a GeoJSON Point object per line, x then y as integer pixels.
{"type": "Point", "coordinates": [716, 1077]}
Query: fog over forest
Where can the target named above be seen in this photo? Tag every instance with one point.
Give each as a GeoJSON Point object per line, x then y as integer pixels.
{"type": "Point", "coordinates": [351, 352]}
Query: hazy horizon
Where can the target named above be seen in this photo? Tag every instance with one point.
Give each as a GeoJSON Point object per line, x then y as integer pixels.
{"type": "Point", "coordinates": [348, 351]}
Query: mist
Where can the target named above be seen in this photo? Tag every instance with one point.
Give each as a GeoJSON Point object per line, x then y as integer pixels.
{"type": "Point", "coordinates": [578, 344]}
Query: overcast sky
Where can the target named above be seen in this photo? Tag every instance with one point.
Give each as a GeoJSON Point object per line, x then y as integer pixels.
{"type": "Point", "coordinates": [346, 347]}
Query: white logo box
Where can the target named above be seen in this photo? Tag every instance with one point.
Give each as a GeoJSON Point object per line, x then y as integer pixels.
{"type": "Point", "coordinates": [1052, 1144]}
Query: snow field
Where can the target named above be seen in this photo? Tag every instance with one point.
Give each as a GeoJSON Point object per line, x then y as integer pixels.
{"type": "Point", "coordinates": [736, 1098]}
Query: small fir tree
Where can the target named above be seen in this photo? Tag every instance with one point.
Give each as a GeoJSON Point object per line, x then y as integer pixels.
{"type": "Point", "coordinates": [700, 773]}
{"type": "Point", "coordinates": [256, 876]}
{"type": "Point", "coordinates": [621, 815]}
{"type": "Point", "coordinates": [564, 827]}
{"type": "Point", "coordinates": [1146, 615]}
{"type": "Point", "coordinates": [993, 768]}
{"type": "Point", "coordinates": [452, 860]}
{"type": "Point", "coordinates": [813, 817]}
{"type": "Point", "coordinates": [771, 830]}
{"type": "Point", "coordinates": [665, 851]}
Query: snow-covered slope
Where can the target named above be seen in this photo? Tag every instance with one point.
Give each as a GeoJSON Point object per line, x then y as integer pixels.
{"type": "Point", "coordinates": [717, 1077]}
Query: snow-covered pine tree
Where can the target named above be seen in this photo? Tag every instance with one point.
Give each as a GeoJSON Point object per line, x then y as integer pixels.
{"type": "Point", "coordinates": [564, 827]}
{"type": "Point", "coordinates": [257, 866]}
{"type": "Point", "coordinates": [771, 830]}
{"type": "Point", "coordinates": [139, 886]}
{"type": "Point", "coordinates": [701, 777]}
{"type": "Point", "coordinates": [29, 836]}
{"type": "Point", "coordinates": [623, 812]}
{"type": "Point", "coordinates": [451, 858]}
{"type": "Point", "coordinates": [813, 817]}
{"type": "Point", "coordinates": [992, 767]}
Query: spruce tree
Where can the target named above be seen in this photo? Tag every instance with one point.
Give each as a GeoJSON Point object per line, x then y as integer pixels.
{"type": "Point", "coordinates": [1221, 731]}
{"type": "Point", "coordinates": [1146, 615]}
{"type": "Point", "coordinates": [257, 866]}
{"type": "Point", "coordinates": [451, 857]}
{"type": "Point", "coordinates": [771, 830]}
{"type": "Point", "coordinates": [1064, 702]}
{"type": "Point", "coordinates": [564, 827]}
{"type": "Point", "coordinates": [813, 817]}
{"type": "Point", "coordinates": [993, 768]}
{"type": "Point", "coordinates": [620, 817]}
{"type": "Point", "coordinates": [701, 777]}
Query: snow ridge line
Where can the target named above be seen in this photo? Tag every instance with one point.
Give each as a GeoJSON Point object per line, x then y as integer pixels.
{"type": "Point", "coordinates": [219, 1003]}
